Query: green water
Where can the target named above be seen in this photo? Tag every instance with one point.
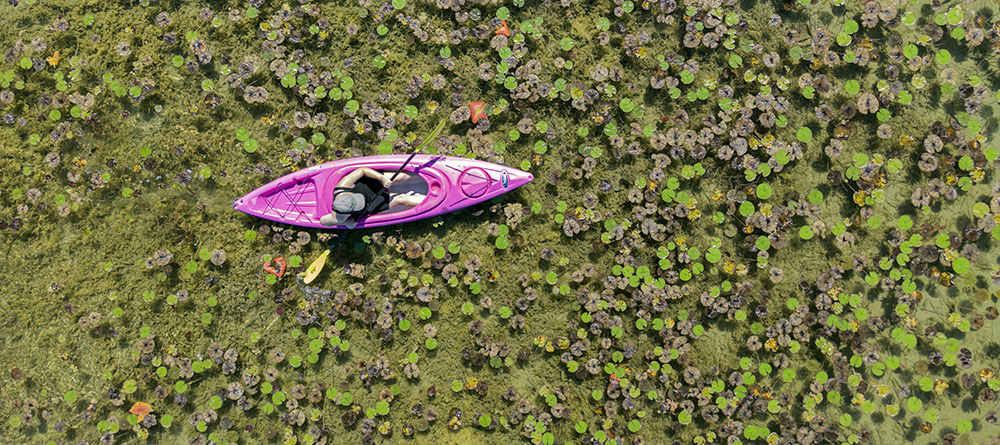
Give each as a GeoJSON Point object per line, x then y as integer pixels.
{"type": "Point", "coordinates": [120, 159]}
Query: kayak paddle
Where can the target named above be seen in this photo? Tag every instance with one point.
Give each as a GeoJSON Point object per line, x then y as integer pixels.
{"type": "Point", "coordinates": [317, 266]}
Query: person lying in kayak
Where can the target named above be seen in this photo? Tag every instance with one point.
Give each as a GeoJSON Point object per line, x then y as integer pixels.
{"type": "Point", "coordinates": [364, 192]}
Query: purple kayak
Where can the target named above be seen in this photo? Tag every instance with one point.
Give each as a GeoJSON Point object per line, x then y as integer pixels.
{"type": "Point", "coordinates": [448, 183]}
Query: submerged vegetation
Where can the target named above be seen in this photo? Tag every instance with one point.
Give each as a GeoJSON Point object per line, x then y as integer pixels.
{"type": "Point", "coordinates": [752, 222]}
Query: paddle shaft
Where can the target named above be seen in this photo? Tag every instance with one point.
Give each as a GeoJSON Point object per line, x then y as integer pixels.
{"type": "Point", "coordinates": [417, 150]}
{"type": "Point", "coordinates": [401, 167]}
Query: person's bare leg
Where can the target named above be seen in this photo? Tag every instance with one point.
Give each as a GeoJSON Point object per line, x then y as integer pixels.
{"type": "Point", "coordinates": [409, 200]}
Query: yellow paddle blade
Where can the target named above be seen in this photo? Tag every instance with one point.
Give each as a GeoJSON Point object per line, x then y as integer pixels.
{"type": "Point", "coordinates": [316, 267]}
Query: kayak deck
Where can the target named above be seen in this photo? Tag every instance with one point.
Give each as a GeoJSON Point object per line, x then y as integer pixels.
{"type": "Point", "coordinates": [448, 183]}
{"type": "Point", "coordinates": [296, 203]}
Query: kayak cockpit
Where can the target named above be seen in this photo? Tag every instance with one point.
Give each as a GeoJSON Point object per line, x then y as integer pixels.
{"type": "Point", "coordinates": [406, 184]}
{"type": "Point", "coordinates": [414, 179]}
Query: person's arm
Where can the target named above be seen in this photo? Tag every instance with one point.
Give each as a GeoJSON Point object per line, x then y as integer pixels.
{"type": "Point", "coordinates": [383, 178]}
{"type": "Point", "coordinates": [349, 179]}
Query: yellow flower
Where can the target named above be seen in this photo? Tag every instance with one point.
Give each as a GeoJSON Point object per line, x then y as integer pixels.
{"type": "Point", "coordinates": [54, 59]}
{"type": "Point", "coordinates": [729, 267]}
{"type": "Point", "coordinates": [882, 390]}
{"type": "Point", "coordinates": [859, 198]}
{"type": "Point", "coordinates": [977, 175]}
{"type": "Point", "coordinates": [471, 382]}
{"type": "Point", "coordinates": [771, 345]}
{"type": "Point", "coordinates": [950, 178]}
{"type": "Point", "coordinates": [858, 399]}
{"type": "Point", "coordinates": [949, 254]}
{"type": "Point", "coordinates": [955, 319]}
{"type": "Point", "coordinates": [985, 375]}
{"type": "Point", "coordinates": [945, 279]}
{"type": "Point", "coordinates": [880, 180]}
{"type": "Point", "coordinates": [940, 386]}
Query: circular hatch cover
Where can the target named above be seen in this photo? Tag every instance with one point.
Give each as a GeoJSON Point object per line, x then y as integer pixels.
{"type": "Point", "coordinates": [474, 182]}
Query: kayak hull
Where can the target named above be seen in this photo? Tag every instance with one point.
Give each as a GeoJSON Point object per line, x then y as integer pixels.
{"type": "Point", "coordinates": [301, 198]}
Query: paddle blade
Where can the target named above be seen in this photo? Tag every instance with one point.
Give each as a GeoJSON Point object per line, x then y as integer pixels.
{"type": "Point", "coordinates": [316, 267]}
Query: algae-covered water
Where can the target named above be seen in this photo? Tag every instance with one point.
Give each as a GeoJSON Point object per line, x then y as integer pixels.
{"type": "Point", "coordinates": [750, 222]}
